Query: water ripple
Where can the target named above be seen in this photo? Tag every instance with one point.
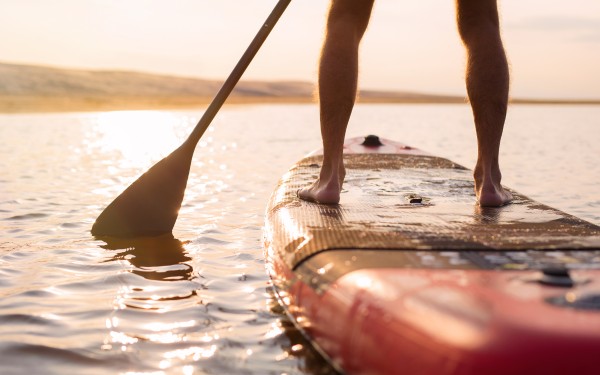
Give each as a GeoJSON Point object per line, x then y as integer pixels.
{"type": "Point", "coordinates": [200, 301]}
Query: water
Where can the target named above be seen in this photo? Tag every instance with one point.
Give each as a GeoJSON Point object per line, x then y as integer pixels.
{"type": "Point", "coordinates": [201, 303]}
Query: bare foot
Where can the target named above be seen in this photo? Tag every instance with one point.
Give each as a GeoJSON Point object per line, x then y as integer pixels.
{"type": "Point", "coordinates": [327, 188]}
{"type": "Point", "coordinates": [492, 196]}
{"type": "Point", "coordinates": [489, 190]}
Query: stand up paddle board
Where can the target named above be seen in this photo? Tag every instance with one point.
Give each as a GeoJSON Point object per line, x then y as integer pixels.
{"type": "Point", "coordinates": [409, 276]}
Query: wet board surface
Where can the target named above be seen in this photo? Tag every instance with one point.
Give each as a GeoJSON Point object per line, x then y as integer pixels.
{"type": "Point", "coordinates": [406, 220]}
{"type": "Point", "coordinates": [376, 212]}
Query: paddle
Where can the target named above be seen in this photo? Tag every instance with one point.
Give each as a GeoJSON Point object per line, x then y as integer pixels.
{"type": "Point", "coordinates": [150, 205]}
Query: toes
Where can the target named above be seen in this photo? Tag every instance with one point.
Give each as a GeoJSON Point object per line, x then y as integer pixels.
{"type": "Point", "coordinates": [305, 195]}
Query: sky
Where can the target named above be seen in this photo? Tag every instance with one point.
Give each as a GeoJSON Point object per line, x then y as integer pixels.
{"type": "Point", "coordinates": [553, 46]}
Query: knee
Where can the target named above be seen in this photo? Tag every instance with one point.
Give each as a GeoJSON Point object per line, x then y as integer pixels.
{"type": "Point", "coordinates": [477, 21]}
{"type": "Point", "coordinates": [354, 14]}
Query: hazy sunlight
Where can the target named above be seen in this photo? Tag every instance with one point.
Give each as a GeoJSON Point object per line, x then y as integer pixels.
{"type": "Point", "coordinates": [141, 137]}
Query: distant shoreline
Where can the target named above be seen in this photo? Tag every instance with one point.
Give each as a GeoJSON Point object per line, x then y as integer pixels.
{"type": "Point", "coordinates": [35, 104]}
{"type": "Point", "coordinates": [36, 89]}
{"type": "Point", "coordinates": [40, 104]}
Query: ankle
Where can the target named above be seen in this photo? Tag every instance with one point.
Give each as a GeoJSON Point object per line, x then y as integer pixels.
{"type": "Point", "coordinates": [332, 169]}
{"type": "Point", "coordinates": [487, 173]}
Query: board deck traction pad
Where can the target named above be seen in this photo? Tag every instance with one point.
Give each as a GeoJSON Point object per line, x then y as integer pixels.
{"type": "Point", "coordinates": [444, 229]}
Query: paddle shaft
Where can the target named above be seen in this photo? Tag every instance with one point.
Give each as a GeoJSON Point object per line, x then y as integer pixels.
{"type": "Point", "coordinates": [237, 72]}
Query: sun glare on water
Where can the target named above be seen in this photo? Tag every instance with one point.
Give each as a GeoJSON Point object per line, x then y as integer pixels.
{"type": "Point", "coordinates": [130, 142]}
{"type": "Point", "coordinates": [140, 138]}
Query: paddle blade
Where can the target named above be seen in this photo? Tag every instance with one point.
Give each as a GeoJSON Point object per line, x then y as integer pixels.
{"type": "Point", "coordinates": [151, 204]}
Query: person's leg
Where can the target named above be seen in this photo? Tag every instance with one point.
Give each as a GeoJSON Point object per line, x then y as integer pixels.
{"type": "Point", "coordinates": [338, 76]}
{"type": "Point", "coordinates": [487, 83]}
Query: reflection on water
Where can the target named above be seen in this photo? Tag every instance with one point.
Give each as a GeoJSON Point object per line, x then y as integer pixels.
{"type": "Point", "coordinates": [199, 302]}
{"type": "Point", "coordinates": [150, 312]}
{"type": "Point", "coordinates": [155, 258]}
